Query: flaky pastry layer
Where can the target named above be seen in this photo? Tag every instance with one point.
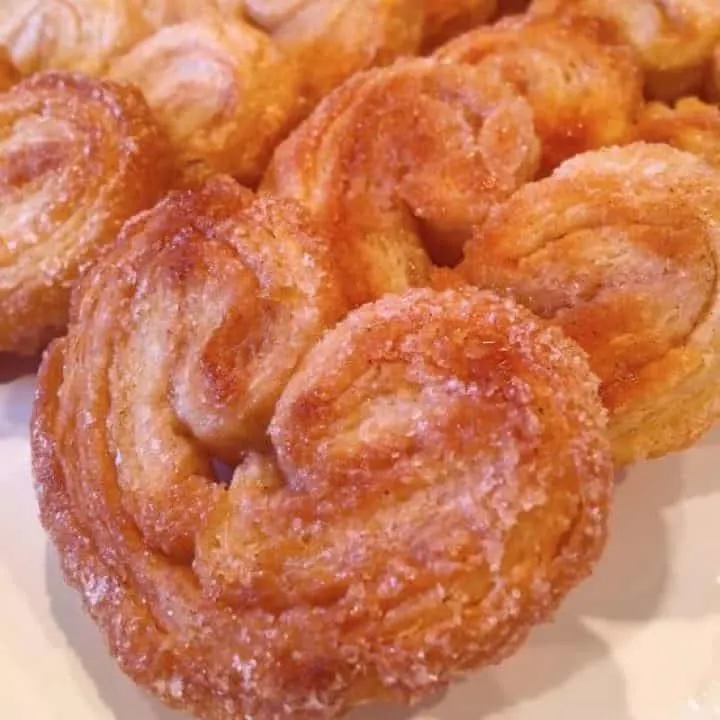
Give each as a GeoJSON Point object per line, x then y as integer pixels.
{"type": "Point", "coordinates": [78, 157]}
{"type": "Point", "coordinates": [691, 125]}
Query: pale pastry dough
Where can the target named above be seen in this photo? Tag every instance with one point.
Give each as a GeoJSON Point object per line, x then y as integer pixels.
{"type": "Point", "coordinates": [332, 39]}
{"type": "Point", "coordinates": [221, 90]}
{"type": "Point", "coordinates": [674, 39]}
{"type": "Point", "coordinates": [78, 35]}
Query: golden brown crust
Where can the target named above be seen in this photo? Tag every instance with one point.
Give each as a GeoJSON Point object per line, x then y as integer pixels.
{"type": "Point", "coordinates": [447, 18]}
{"type": "Point", "coordinates": [78, 35]}
{"type": "Point", "coordinates": [585, 91]}
{"type": "Point", "coordinates": [412, 154]}
{"type": "Point", "coordinates": [220, 89]}
{"type": "Point", "coordinates": [673, 39]}
{"type": "Point", "coordinates": [333, 39]}
{"type": "Point", "coordinates": [692, 125]}
{"type": "Point", "coordinates": [620, 246]}
{"type": "Point", "coordinates": [439, 479]}
{"type": "Point", "coordinates": [77, 158]}
{"type": "Point", "coordinates": [9, 74]}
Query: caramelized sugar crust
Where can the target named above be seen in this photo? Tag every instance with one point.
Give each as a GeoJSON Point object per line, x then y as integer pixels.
{"type": "Point", "coordinates": [434, 478]}
{"type": "Point", "coordinates": [9, 74]}
{"type": "Point", "coordinates": [401, 162]}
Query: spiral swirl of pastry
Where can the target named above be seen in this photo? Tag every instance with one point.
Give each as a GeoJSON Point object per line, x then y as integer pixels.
{"type": "Point", "coordinates": [333, 39]}
{"type": "Point", "coordinates": [674, 39]}
{"type": "Point", "coordinates": [401, 156]}
{"type": "Point", "coordinates": [692, 125]}
{"type": "Point", "coordinates": [79, 35]}
{"type": "Point", "coordinates": [620, 247]}
{"type": "Point", "coordinates": [220, 89]}
{"type": "Point", "coordinates": [78, 157]}
{"type": "Point", "coordinates": [8, 72]}
{"type": "Point", "coordinates": [436, 474]}
{"type": "Point", "coordinates": [446, 18]}
{"type": "Point", "coordinates": [585, 91]}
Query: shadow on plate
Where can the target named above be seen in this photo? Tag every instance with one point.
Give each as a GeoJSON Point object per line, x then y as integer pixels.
{"type": "Point", "coordinates": [631, 581]}
{"type": "Point", "coordinates": [12, 367]}
{"type": "Point", "coordinates": [16, 406]}
{"type": "Point", "coordinates": [122, 698]}
{"type": "Point", "coordinates": [712, 439]}
{"type": "Point", "coordinates": [628, 586]}
{"type": "Point", "coordinates": [553, 658]}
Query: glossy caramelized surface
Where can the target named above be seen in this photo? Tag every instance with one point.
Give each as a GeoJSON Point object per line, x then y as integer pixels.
{"type": "Point", "coordinates": [447, 18]}
{"type": "Point", "coordinates": [9, 74]}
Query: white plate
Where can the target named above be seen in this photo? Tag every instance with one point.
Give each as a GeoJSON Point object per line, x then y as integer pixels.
{"type": "Point", "coordinates": [640, 641]}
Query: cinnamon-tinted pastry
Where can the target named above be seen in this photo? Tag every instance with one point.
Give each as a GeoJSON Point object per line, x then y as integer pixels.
{"type": "Point", "coordinates": [691, 125]}
{"type": "Point", "coordinates": [674, 39]}
{"type": "Point", "coordinates": [445, 18]}
{"type": "Point", "coordinates": [584, 89]}
{"type": "Point", "coordinates": [81, 35]}
{"type": "Point", "coordinates": [402, 159]}
{"type": "Point", "coordinates": [77, 158]}
{"type": "Point", "coordinates": [333, 39]}
{"type": "Point", "coordinates": [220, 89]}
{"type": "Point", "coordinates": [620, 247]}
{"type": "Point", "coordinates": [713, 79]}
{"type": "Point", "coordinates": [435, 477]}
